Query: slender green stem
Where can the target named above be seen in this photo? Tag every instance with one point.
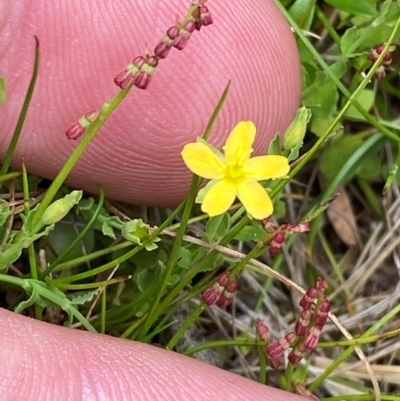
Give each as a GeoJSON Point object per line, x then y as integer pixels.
{"type": "Point", "coordinates": [239, 267]}
{"type": "Point", "coordinates": [351, 97]}
{"type": "Point", "coordinates": [289, 373]}
{"type": "Point", "coordinates": [106, 111]}
{"type": "Point", "coordinates": [78, 239]}
{"type": "Point", "coordinates": [262, 376]}
{"type": "Point", "coordinates": [328, 26]}
{"type": "Point", "coordinates": [344, 355]}
{"type": "Point", "coordinates": [22, 116]}
{"type": "Point", "coordinates": [9, 176]}
{"type": "Point", "coordinates": [88, 286]}
{"type": "Point", "coordinates": [120, 259]}
{"type": "Point", "coordinates": [103, 311]}
{"type": "Point", "coordinates": [362, 397]}
{"type": "Point", "coordinates": [224, 343]}
{"type": "Point", "coordinates": [154, 309]}
{"type": "Point", "coordinates": [202, 263]}
{"type": "Point", "coordinates": [185, 326]}
{"type": "Point", "coordinates": [49, 295]}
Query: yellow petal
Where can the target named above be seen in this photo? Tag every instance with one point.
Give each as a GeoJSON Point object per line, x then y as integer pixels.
{"type": "Point", "coordinates": [238, 146]}
{"type": "Point", "coordinates": [255, 199]}
{"type": "Point", "coordinates": [219, 198]}
{"type": "Point", "coordinates": [266, 167]}
{"type": "Point", "coordinates": [201, 160]}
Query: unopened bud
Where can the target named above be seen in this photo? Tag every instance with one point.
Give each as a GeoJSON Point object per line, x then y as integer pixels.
{"type": "Point", "coordinates": [60, 208]}
{"type": "Point", "coordinates": [294, 134]}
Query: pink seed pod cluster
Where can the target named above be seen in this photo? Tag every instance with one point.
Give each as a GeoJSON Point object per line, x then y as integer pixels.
{"type": "Point", "coordinates": [222, 291]}
{"type": "Point", "coordinates": [307, 330]}
{"type": "Point", "coordinates": [140, 71]}
{"type": "Point", "coordinates": [278, 234]}
{"type": "Point", "coordinates": [386, 62]}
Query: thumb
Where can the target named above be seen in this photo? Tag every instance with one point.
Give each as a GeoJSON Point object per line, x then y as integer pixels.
{"type": "Point", "coordinates": [45, 362]}
{"type": "Point", "coordinates": [136, 156]}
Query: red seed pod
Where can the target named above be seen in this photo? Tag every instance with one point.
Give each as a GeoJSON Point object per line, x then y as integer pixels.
{"type": "Point", "coordinates": [301, 327]}
{"type": "Point", "coordinates": [308, 298]}
{"type": "Point", "coordinates": [301, 390]}
{"type": "Point", "coordinates": [190, 26]}
{"type": "Point", "coordinates": [205, 16]}
{"type": "Point", "coordinates": [262, 330]}
{"type": "Point", "coordinates": [223, 280]}
{"type": "Point", "coordinates": [313, 338]}
{"type": "Point", "coordinates": [291, 338]}
{"type": "Point", "coordinates": [321, 284]}
{"type": "Point", "coordinates": [276, 349]}
{"type": "Point", "coordinates": [274, 363]}
{"type": "Point", "coordinates": [182, 39]}
{"type": "Point", "coordinates": [78, 128]}
{"type": "Point", "coordinates": [142, 80]}
{"type": "Point", "coordinates": [380, 73]}
{"type": "Point", "coordinates": [295, 356]}
{"type": "Point", "coordinates": [225, 299]}
{"type": "Point", "coordinates": [124, 79]}
{"type": "Point", "coordinates": [75, 131]}
{"type": "Point", "coordinates": [172, 33]}
{"type": "Point", "coordinates": [232, 286]}
{"type": "Point", "coordinates": [269, 226]}
{"type": "Point", "coordinates": [279, 238]}
{"type": "Point", "coordinates": [202, 17]}
{"type": "Point", "coordinates": [210, 296]}
{"type": "Point", "coordinates": [162, 49]}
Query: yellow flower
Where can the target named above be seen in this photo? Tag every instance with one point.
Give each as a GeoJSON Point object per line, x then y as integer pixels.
{"type": "Point", "coordinates": [235, 174]}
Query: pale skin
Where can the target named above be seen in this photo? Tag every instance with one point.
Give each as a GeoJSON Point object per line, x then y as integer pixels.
{"type": "Point", "coordinates": [136, 158]}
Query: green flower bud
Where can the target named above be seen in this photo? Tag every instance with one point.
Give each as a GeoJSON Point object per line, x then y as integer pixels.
{"type": "Point", "coordinates": [138, 232]}
{"type": "Point", "coordinates": [294, 135]}
{"type": "Point", "coordinates": [60, 208]}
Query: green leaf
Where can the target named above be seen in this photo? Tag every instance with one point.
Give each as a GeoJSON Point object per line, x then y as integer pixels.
{"type": "Point", "coordinates": [63, 234]}
{"type": "Point", "coordinates": [366, 99]}
{"type": "Point", "coordinates": [217, 227]}
{"type": "Point", "coordinates": [86, 204]}
{"type": "Point", "coordinates": [105, 222]}
{"type": "Point", "coordinates": [339, 68]}
{"type": "Point", "coordinates": [321, 97]}
{"type": "Point", "coordinates": [347, 41]}
{"type": "Point", "coordinates": [279, 208]}
{"type": "Point", "coordinates": [337, 154]}
{"type": "Point", "coordinates": [355, 7]}
{"type": "Point", "coordinates": [251, 233]}
{"type": "Point", "coordinates": [275, 146]}
{"type": "Point", "coordinates": [319, 127]}
{"type": "Point", "coordinates": [85, 297]}
{"type": "Point", "coordinates": [5, 212]}
{"type": "Point", "coordinates": [13, 251]}
{"type": "Point", "coordinates": [185, 258]}
{"type": "Point", "coordinates": [370, 167]}
{"type": "Point", "coordinates": [302, 12]}
{"type": "Point", "coordinates": [382, 16]}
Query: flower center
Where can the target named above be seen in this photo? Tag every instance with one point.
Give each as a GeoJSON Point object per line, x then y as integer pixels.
{"type": "Point", "coordinates": [234, 171]}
